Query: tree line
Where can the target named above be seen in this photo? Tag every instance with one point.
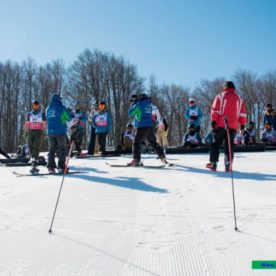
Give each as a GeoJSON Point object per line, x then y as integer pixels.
{"type": "Point", "coordinates": [97, 76]}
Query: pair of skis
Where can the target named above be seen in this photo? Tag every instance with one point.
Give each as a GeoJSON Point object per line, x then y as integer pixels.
{"type": "Point", "coordinates": [43, 174]}
{"type": "Point", "coordinates": [140, 166]}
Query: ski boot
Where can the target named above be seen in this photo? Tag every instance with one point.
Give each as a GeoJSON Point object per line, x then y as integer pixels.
{"type": "Point", "coordinates": [51, 170]}
{"type": "Point", "coordinates": [34, 169]}
{"type": "Point", "coordinates": [228, 167]}
{"type": "Point", "coordinates": [212, 166]}
{"type": "Point", "coordinates": [63, 171]}
{"type": "Point", "coordinates": [135, 163]}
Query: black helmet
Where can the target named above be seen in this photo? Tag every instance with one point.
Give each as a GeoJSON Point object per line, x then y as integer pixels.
{"type": "Point", "coordinates": [143, 96]}
{"type": "Point", "coordinates": [229, 84]}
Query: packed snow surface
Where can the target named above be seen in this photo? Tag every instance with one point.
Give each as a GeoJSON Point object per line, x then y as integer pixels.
{"type": "Point", "coordinates": [137, 221]}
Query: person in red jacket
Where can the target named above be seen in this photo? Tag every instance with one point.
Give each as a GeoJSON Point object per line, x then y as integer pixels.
{"type": "Point", "coordinates": [228, 104]}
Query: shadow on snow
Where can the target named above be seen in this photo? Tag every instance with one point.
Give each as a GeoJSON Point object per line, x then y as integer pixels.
{"type": "Point", "coordinates": [132, 183]}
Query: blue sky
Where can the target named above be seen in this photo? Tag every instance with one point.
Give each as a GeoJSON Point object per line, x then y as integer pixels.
{"type": "Point", "coordinates": [178, 41]}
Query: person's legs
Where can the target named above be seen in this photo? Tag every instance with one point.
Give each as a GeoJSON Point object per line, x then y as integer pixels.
{"type": "Point", "coordinates": [30, 141]}
{"type": "Point", "coordinates": [61, 147]}
{"type": "Point", "coordinates": [52, 143]}
{"type": "Point", "coordinates": [37, 143]}
{"type": "Point", "coordinates": [78, 141]}
{"type": "Point", "coordinates": [138, 139]}
{"type": "Point", "coordinates": [102, 141]}
{"type": "Point", "coordinates": [150, 136]}
{"type": "Point", "coordinates": [215, 145]}
{"type": "Point", "coordinates": [91, 146]}
{"type": "Point", "coordinates": [232, 134]}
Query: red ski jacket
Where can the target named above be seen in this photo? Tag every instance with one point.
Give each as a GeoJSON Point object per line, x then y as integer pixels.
{"type": "Point", "coordinates": [228, 104]}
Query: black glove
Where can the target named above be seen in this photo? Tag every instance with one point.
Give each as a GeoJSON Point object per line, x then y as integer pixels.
{"type": "Point", "coordinates": [214, 126]}
{"type": "Point", "coordinates": [242, 127]}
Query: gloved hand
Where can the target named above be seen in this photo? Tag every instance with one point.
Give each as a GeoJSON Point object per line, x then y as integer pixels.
{"type": "Point", "coordinates": [242, 127]}
{"type": "Point", "coordinates": [214, 126]}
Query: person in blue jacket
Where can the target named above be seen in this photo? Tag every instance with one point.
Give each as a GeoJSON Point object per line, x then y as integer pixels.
{"type": "Point", "coordinates": [142, 111]}
{"type": "Point", "coordinates": [193, 114]}
{"type": "Point", "coordinates": [56, 116]}
{"type": "Point", "coordinates": [102, 123]}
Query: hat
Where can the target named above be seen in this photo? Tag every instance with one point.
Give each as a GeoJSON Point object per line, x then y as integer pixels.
{"type": "Point", "coordinates": [36, 105]}
{"type": "Point", "coordinates": [229, 84]}
{"type": "Point", "coordinates": [192, 100]}
{"type": "Point", "coordinates": [56, 97]}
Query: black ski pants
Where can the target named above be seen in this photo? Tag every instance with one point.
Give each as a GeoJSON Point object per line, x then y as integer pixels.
{"type": "Point", "coordinates": [220, 136]}
{"type": "Point", "coordinates": [142, 134]}
{"type": "Point", "coordinates": [91, 146]}
{"type": "Point", "coordinates": [57, 144]}
{"type": "Point", "coordinates": [101, 136]}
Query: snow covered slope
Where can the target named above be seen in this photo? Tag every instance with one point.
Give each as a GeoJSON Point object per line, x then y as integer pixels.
{"type": "Point", "coordinates": [137, 221]}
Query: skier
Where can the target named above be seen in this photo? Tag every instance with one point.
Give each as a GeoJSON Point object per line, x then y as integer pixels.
{"type": "Point", "coordinates": [227, 104]}
{"type": "Point", "coordinates": [192, 138]}
{"type": "Point", "coordinates": [77, 127]}
{"type": "Point", "coordinates": [193, 114]}
{"type": "Point", "coordinates": [268, 135]}
{"type": "Point", "coordinates": [142, 110]}
{"type": "Point", "coordinates": [91, 146]}
{"type": "Point", "coordinates": [56, 116]}
{"type": "Point", "coordinates": [102, 123]}
{"type": "Point", "coordinates": [35, 130]}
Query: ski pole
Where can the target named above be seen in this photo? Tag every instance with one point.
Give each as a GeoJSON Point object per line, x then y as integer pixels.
{"type": "Point", "coordinates": [231, 170]}
{"type": "Point", "coordinates": [61, 185]}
